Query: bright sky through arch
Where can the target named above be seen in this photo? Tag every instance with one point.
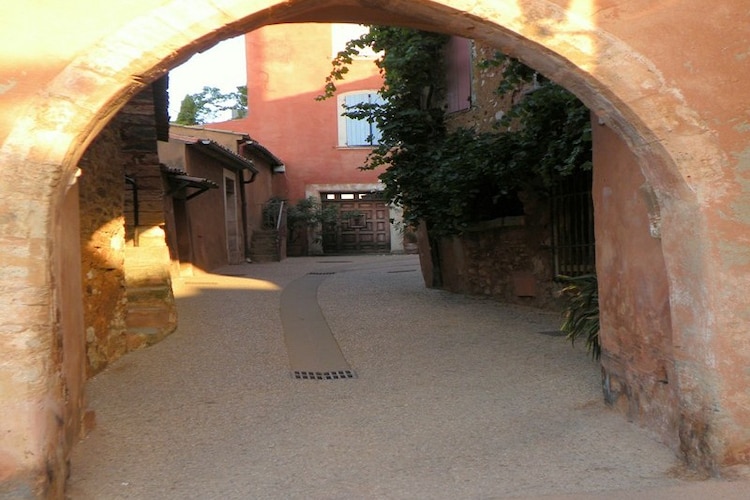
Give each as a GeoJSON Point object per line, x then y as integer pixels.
{"type": "Point", "coordinates": [222, 66]}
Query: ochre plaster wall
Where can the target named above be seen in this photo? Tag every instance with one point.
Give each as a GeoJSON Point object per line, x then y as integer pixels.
{"type": "Point", "coordinates": [675, 97]}
{"type": "Point", "coordinates": [206, 213]}
{"type": "Point", "coordinates": [266, 183]}
{"type": "Point", "coordinates": [638, 365]}
{"type": "Point", "coordinates": [63, 425]}
{"type": "Point", "coordinates": [287, 66]}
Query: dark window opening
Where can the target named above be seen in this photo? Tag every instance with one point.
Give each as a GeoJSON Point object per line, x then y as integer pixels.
{"type": "Point", "coordinates": [573, 226]}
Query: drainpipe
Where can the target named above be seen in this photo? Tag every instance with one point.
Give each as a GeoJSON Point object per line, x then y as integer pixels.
{"type": "Point", "coordinates": [243, 202]}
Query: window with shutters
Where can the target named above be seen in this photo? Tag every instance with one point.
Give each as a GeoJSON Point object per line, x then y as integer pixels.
{"type": "Point", "coordinates": [458, 63]}
{"type": "Point", "coordinates": [358, 132]}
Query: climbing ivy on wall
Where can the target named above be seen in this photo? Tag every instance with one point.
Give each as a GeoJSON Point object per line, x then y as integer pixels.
{"type": "Point", "coordinates": [450, 179]}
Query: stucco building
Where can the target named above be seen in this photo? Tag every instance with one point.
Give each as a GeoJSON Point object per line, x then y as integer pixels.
{"type": "Point", "coordinates": [219, 183]}
{"type": "Point", "coordinates": [286, 70]}
{"type": "Point", "coordinates": [674, 122]}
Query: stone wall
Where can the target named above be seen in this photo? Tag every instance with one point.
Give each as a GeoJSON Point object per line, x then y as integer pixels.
{"type": "Point", "coordinates": [487, 106]}
{"type": "Point", "coordinates": [127, 294]}
{"type": "Point", "coordinates": [151, 312]}
{"type": "Point", "coordinates": [102, 191]}
{"type": "Point", "coordinates": [509, 259]}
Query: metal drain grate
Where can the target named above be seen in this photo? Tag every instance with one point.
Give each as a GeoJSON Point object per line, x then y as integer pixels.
{"type": "Point", "coordinates": [336, 375]}
{"type": "Point", "coordinates": [321, 273]}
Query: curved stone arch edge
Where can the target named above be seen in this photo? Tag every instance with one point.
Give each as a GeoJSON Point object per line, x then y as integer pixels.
{"type": "Point", "coordinates": [117, 68]}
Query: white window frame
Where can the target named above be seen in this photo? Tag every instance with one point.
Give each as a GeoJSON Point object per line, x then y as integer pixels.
{"type": "Point", "coordinates": [343, 120]}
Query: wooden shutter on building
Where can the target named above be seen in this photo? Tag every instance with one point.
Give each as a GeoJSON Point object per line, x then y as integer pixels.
{"type": "Point", "coordinates": [361, 132]}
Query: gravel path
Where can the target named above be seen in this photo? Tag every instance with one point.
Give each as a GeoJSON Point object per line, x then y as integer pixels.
{"type": "Point", "coordinates": [456, 398]}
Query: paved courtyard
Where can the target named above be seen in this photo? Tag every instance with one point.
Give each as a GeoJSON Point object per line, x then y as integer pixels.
{"type": "Point", "coordinates": [455, 398]}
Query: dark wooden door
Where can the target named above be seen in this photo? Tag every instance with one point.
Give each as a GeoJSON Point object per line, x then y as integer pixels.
{"type": "Point", "coordinates": [362, 224]}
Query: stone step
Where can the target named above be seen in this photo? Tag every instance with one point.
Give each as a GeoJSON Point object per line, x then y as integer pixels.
{"type": "Point", "coordinates": [264, 257]}
{"type": "Point", "coordinates": [149, 317]}
{"type": "Point", "coordinates": [264, 246]}
{"type": "Point", "coordinates": [158, 293]}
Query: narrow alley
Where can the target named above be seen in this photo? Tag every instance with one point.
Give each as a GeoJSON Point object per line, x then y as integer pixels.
{"type": "Point", "coordinates": [454, 397]}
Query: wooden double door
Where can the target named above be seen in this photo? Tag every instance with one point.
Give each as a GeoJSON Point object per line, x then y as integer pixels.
{"type": "Point", "coordinates": [362, 224]}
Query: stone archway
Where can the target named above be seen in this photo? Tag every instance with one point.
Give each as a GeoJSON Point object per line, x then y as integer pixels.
{"type": "Point", "coordinates": [690, 149]}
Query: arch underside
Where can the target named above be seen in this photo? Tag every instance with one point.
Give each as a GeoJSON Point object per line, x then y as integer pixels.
{"type": "Point", "coordinates": [621, 86]}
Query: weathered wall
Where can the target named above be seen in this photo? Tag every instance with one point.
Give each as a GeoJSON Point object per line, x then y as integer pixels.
{"type": "Point", "coordinates": [206, 213]}
{"type": "Point", "coordinates": [202, 222]}
{"type": "Point", "coordinates": [266, 184]}
{"type": "Point", "coordinates": [151, 312]}
{"type": "Point", "coordinates": [638, 365]}
{"type": "Point", "coordinates": [63, 423]}
{"type": "Point", "coordinates": [287, 66]}
{"type": "Point", "coordinates": [671, 94]}
{"type": "Point", "coordinates": [509, 259]}
{"type": "Point", "coordinates": [102, 194]}
{"type": "Point", "coordinates": [487, 107]}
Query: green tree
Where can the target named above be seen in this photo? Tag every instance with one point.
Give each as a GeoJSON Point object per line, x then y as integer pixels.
{"type": "Point", "coordinates": [188, 111]}
{"type": "Point", "coordinates": [204, 106]}
{"type": "Point", "coordinates": [450, 179]}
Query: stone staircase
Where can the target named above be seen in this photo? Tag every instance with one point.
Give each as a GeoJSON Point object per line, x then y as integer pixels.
{"type": "Point", "coordinates": [264, 246]}
{"type": "Point", "coordinates": [150, 313]}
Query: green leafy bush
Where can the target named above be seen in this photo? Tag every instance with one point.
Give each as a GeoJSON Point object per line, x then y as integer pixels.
{"type": "Point", "coordinates": [307, 214]}
{"type": "Point", "coordinates": [582, 311]}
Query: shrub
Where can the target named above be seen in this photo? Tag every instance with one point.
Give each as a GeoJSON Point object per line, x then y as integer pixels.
{"type": "Point", "coordinates": [582, 311]}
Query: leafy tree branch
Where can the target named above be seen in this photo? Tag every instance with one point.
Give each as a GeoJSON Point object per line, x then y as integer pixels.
{"type": "Point", "coordinates": [450, 179]}
{"type": "Point", "coordinates": [205, 106]}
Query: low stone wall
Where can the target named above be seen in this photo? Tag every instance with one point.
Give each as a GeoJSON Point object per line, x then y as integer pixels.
{"type": "Point", "coordinates": [509, 259]}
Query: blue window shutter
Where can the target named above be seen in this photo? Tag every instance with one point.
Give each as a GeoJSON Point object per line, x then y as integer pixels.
{"type": "Point", "coordinates": [357, 131]}
{"type": "Point", "coordinates": [361, 132]}
{"type": "Point", "coordinates": [374, 130]}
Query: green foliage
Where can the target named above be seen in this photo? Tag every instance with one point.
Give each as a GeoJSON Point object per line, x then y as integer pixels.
{"type": "Point", "coordinates": [204, 106]}
{"type": "Point", "coordinates": [307, 214]}
{"type": "Point", "coordinates": [188, 112]}
{"type": "Point", "coordinates": [271, 211]}
{"type": "Point", "coordinates": [582, 311]}
{"type": "Point", "coordinates": [451, 179]}
{"type": "Point", "coordinates": [310, 212]}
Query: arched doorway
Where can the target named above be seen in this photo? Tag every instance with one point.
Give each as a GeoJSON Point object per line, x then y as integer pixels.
{"type": "Point", "coordinates": [55, 111]}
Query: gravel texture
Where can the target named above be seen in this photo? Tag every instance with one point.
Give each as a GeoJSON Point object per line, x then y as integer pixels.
{"type": "Point", "coordinates": [456, 398]}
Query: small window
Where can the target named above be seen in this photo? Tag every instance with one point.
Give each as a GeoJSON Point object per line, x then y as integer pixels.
{"type": "Point", "coordinates": [458, 74]}
{"type": "Point", "coordinates": [358, 132]}
{"type": "Point", "coordinates": [573, 226]}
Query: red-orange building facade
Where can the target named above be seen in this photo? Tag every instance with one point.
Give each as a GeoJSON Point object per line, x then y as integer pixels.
{"type": "Point", "coordinates": [286, 69]}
